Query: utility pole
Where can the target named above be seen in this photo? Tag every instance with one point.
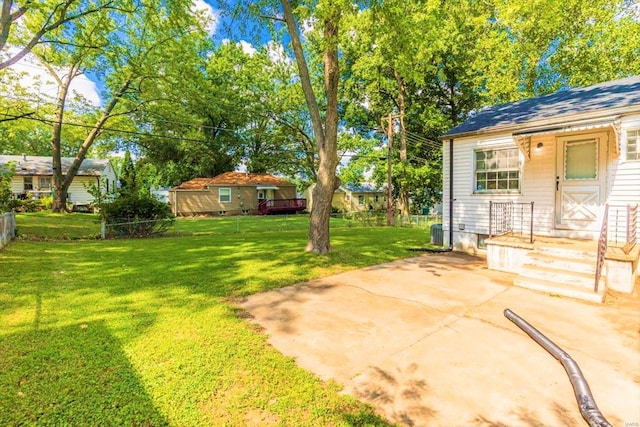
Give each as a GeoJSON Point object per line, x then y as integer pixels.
{"type": "Point", "coordinates": [389, 154]}
{"type": "Point", "coordinates": [390, 207]}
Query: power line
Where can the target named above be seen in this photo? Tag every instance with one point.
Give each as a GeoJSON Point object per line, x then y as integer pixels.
{"type": "Point", "coordinates": [107, 129]}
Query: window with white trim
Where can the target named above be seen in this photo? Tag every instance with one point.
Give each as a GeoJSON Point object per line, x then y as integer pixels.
{"type": "Point", "coordinates": [224, 195]}
{"type": "Point", "coordinates": [497, 170]}
{"type": "Point", "coordinates": [633, 144]}
{"type": "Point", "coordinates": [361, 199]}
{"type": "Point", "coordinates": [44, 182]}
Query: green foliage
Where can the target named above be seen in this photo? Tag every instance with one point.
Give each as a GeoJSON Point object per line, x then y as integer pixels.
{"type": "Point", "coordinates": [29, 205]}
{"type": "Point", "coordinates": [128, 182]}
{"type": "Point", "coordinates": [136, 216]}
{"type": "Point", "coordinates": [6, 173]}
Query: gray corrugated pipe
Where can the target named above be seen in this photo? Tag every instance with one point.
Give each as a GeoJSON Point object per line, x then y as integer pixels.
{"type": "Point", "coordinates": [586, 402]}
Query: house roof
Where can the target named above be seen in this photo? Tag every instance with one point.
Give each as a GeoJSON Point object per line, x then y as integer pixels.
{"type": "Point", "coordinates": [592, 102]}
{"type": "Point", "coordinates": [43, 165]}
{"type": "Point", "coordinates": [364, 188]}
{"type": "Point", "coordinates": [234, 179]}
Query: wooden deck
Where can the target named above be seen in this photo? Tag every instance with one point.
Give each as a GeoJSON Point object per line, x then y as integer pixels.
{"type": "Point", "coordinates": [272, 206]}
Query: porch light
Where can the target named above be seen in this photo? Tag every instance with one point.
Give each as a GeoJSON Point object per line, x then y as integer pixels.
{"type": "Point", "coordinates": [539, 146]}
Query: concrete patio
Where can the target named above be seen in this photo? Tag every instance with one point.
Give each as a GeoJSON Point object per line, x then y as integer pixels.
{"type": "Point", "coordinates": [424, 340]}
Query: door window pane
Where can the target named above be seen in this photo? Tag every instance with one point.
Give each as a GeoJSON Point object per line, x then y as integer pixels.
{"type": "Point", "coordinates": [581, 160]}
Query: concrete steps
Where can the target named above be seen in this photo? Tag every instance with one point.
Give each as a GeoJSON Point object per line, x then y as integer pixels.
{"type": "Point", "coordinates": [559, 271]}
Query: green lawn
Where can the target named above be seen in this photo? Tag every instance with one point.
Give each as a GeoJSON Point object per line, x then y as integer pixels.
{"type": "Point", "coordinates": [61, 226]}
{"type": "Point", "coordinates": [41, 225]}
{"type": "Point", "coordinates": [144, 332]}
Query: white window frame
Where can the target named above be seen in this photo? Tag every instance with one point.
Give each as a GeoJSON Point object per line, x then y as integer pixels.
{"type": "Point", "coordinates": [222, 197]}
{"type": "Point", "coordinates": [361, 199]}
{"type": "Point", "coordinates": [44, 182]}
{"type": "Point", "coordinates": [508, 170]}
{"type": "Point", "coordinates": [636, 139]}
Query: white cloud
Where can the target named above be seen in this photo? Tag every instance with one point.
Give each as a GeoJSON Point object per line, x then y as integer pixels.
{"type": "Point", "coordinates": [209, 15]}
{"type": "Point", "coordinates": [35, 78]}
{"type": "Point", "coordinates": [247, 47]}
{"type": "Point", "coordinates": [308, 25]}
{"type": "Point", "coordinates": [277, 53]}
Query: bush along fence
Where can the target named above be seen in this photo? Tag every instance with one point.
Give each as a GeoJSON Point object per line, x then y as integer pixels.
{"type": "Point", "coordinates": [7, 228]}
{"type": "Point", "coordinates": [129, 229]}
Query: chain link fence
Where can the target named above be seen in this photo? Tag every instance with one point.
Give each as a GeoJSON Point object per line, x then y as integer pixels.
{"type": "Point", "coordinates": [255, 224]}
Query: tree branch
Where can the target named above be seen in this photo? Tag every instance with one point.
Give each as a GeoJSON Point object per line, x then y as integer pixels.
{"type": "Point", "coordinates": [63, 18]}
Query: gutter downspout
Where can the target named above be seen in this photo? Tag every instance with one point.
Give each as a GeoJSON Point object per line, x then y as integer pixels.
{"type": "Point", "coordinates": [451, 200]}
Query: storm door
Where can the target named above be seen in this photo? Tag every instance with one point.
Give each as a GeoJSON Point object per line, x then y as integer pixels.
{"type": "Point", "coordinates": [580, 173]}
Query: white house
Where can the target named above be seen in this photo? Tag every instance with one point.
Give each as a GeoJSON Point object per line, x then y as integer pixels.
{"type": "Point", "coordinates": [538, 174]}
{"type": "Point", "coordinates": [33, 177]}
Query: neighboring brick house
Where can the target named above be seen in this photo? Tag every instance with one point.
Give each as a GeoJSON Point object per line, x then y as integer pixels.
{"type": "Point", "coordinates": [234, 193]}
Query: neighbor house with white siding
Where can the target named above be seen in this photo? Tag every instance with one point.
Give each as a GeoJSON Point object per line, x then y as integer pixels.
{"type": "Point", "coordinates": [33, 177]}
{"type": "Point", "coordinates": [539, 182]}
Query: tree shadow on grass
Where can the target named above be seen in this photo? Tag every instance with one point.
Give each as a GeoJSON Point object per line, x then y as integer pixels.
{"type": "Point", "coordinates": [74, 375]}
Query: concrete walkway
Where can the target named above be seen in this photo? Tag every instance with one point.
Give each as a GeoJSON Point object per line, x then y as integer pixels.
{"type": "Point", "coordinates": [425, 341]}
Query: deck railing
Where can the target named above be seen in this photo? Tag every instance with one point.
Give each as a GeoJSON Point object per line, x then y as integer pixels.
{"type": "Point", "coordinates": [266, 206]}
{"type": "Point", "coordinates": [511, 217]}
{"type": "Point", "coordinates": [623, 226]}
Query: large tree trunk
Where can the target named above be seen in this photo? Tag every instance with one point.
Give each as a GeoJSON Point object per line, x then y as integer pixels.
{"type": "Point", "coordinates": [326, 135]}
{"type": "Point", "coordinates": [59, 189]}
{"type": "Point", "coordinates": [62, 183]}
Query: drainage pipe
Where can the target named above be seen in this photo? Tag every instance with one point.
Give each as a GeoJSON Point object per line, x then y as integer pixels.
{"type": "Point", "coordinates": [586, 402]}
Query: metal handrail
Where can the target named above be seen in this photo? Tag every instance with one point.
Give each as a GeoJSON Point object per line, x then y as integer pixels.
{"type": "Point", "coordinates": [602, 247]}
{"type": "Point", "coordinates": [632, 228]}
{"type": "Point", "coordinates": [502, 216]}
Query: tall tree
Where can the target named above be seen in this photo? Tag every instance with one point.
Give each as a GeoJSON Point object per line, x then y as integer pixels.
{"type": "Point", "coordinates": [328, 14]}
{"type": "Point", "coordinates": [325, 17]}
{"type": "Point", "coordinates": [150, 35]}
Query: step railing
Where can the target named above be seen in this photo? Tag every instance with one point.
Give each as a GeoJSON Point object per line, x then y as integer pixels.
{"type": "Point", "coordinates": [511, 217]}
{"type": "Point", "coordinates": [623, 226]}
{"type": "Point", "coordinates": [602, 247]}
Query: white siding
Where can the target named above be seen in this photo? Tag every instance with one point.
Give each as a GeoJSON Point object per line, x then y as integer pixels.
{"type": "Point", "coordinates": [471, 210]}
{"type": "Point", "coordinates": [624, 175]}
{"type": "Point", "coordinates": [109, 175]}
{"type": "Point", "coordinates": [17, 184]}
{"type": "Point", "coordinates": [78, 193]}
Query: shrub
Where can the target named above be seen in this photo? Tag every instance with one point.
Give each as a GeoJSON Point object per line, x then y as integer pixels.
{"type": "Point", "coordinates": [30, 205]}
{"type": "Point", "coordinates": [5, 186]}
{"type": "Point", "coordinates": [134, 215]}
{"type": "Point", "coordinates": [46, 202]}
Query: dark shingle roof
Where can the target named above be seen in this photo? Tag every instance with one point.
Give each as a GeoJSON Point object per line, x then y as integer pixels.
{"type": "Point", "coordinates": [42, 165]}
{"type": "Point", "coordinates": [364, 188]}
{"type": "Point", "coordinates": [601, 97]}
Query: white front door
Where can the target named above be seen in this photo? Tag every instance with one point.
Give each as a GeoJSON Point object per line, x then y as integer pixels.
{"type": "Point", "coordinates": [580, 172]}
